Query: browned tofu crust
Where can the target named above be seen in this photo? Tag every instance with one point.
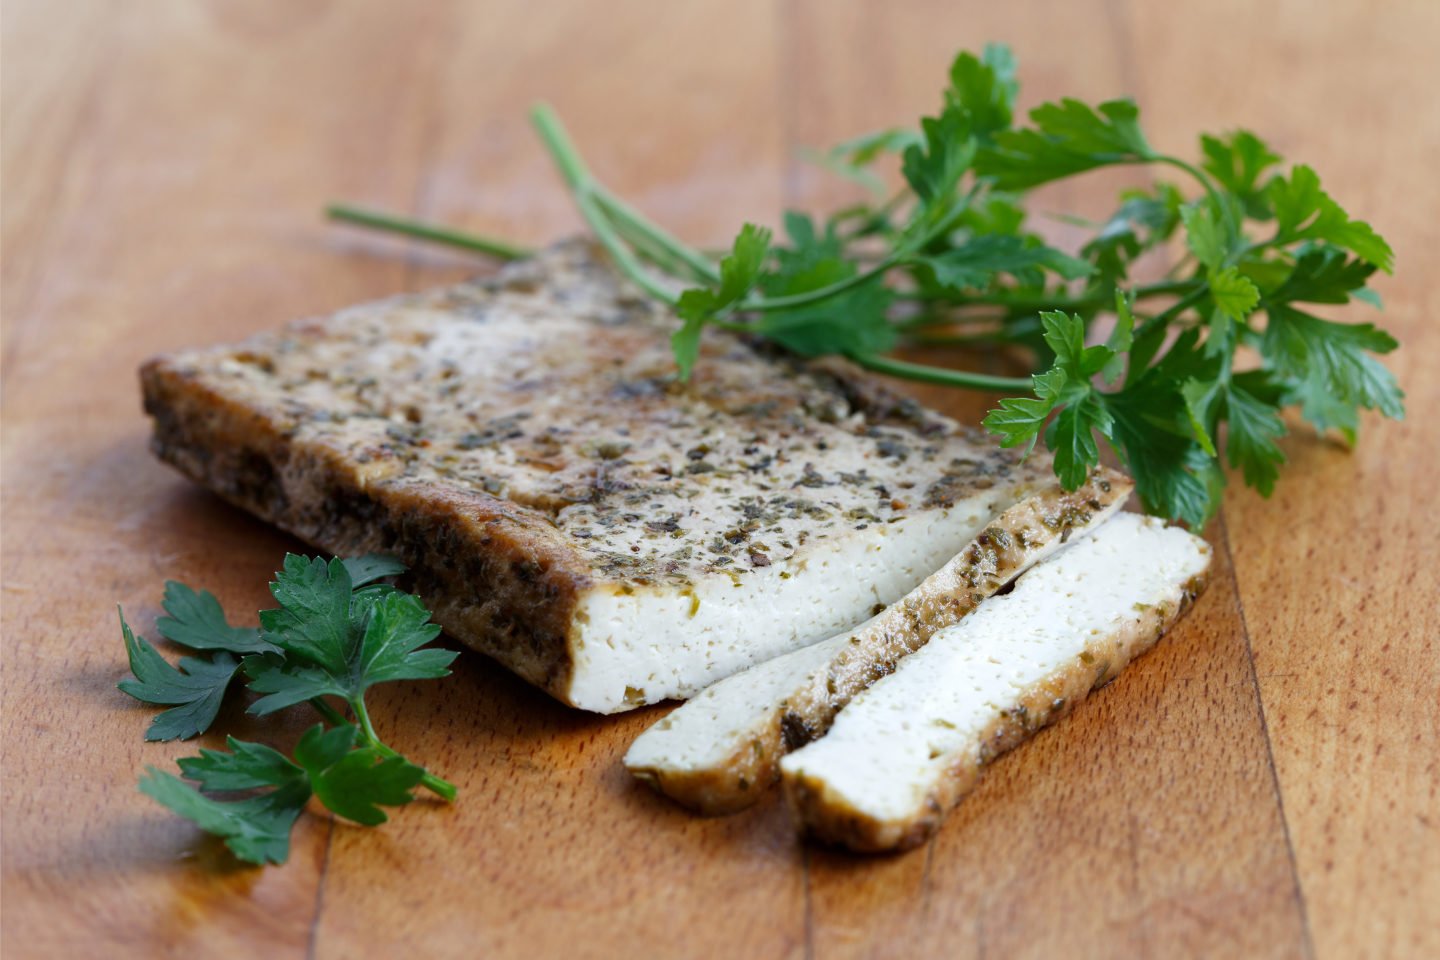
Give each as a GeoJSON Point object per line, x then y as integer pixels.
{"type": "Point", "coordinates": [495, 573]}
{"type": "Point", "coordinates": [523, 441]}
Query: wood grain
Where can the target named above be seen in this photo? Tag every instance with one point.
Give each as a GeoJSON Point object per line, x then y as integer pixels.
{"type": "Point", "coordinates": [1263, 784]}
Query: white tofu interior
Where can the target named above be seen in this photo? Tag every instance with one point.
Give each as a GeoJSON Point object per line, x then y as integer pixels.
{"type": "Point", "coordinates": [894, 742]}
{"type": "Point", "coordinates": [654, 643]}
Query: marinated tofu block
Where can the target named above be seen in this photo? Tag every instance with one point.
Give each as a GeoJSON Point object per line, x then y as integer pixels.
{"type": "Point", "coordinates": [717, 753]}
{"type": "Point", "coordinates": [566, 504]}
{"type": "Point", "coordinates": [904, 752]}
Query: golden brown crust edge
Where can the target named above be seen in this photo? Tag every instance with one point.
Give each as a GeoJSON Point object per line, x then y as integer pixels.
{"type": "Point", "coordinates": [993, 558]}
{"type": "Point", "coordinates": [499, 578]}
{"type": "Point", "coordinates": [830, 819]}
{"type": "Point", "coordinates": [713, 792]}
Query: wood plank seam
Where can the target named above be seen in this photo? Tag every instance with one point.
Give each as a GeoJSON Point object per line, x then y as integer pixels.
{"type": "Point", "coordinates": [418, 208]}
{"type": "Point", "coordinates": [1308, 942]}
{"type": "Point", "coordinates": [312, 941]}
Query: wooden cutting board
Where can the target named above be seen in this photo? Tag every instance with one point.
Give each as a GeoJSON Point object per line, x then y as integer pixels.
{"type": "Point", "coordinates": [1263, 784]}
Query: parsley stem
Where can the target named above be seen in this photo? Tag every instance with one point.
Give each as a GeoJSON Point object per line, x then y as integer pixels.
{"type": "Point", "coordinates": [331, 715]}
{"type": "Point", "coordinates": [648, 246]}
{"type": "Point", "coordinates": [1211, 190]}
{"type": "Point", "coordinates": [1179, 306]}
{"type": "Point", "coordinates": [958, 340]}
{"type": "Point", "coordinates": [1003, 298]}
{"type": "Point", "coordinates": [377, 220]}
{"type": "Point", "coordinates": [627, 217]}
{"type": "Point", "coordinates": [933, 318]}
{"type": "Point", "coordinates": [767, 304]}
{"type": "Point", "coordinates": [442, 788]}
{"type": "Point", "coordinates": [582, 185]}
{"type": "Point", "coordinates": [941, 375]}
{"type": "Point", "coordinates": [579, 178]}
{"type": "Point", "coordinates": [617, 249]}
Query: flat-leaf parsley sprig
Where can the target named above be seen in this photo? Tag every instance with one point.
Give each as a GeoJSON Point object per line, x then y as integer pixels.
{"type": "Point", "coordinates": [1201, 363]}
{"type": "Point", "coordinates": [340, 628]}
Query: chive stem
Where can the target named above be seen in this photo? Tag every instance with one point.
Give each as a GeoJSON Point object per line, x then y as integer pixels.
{"type": "Point", "coordinates": [767, 304]}
{"type": "Point", "coordinates": [1002, 298]}
{"type": "Point", "coordinates": [627, 217]}
{"type": "Point", "coordinates": [376, 220]}
{"type": "Point", "coordinates": [941, 375]}
{"type": "Point", "coordinates": [567, 160]}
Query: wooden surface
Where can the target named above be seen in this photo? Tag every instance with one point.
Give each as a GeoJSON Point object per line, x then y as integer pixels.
{"type": "Point", "coordinates": [1263, 784]}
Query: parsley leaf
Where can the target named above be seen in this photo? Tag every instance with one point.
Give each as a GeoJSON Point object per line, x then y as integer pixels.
{"type": "Point", "coordinates": [248, 766]}
{"type": "Point", "coordinates": [1254, 427]}
{"type": "Point", "coordinates": [1069, 137]}
{"type": "Point", "coordinates": [1143, 220]}
{"type": "Point", "coordinates": [1071, 436]}
{"type": "Point", "coordinates": [1323, 274]}
{"type": "Point", "coordinates": [313, 622]}
{"type": "Point", "coordinates": [739, 272]}
{"type": "Point", "coordinates": [852, 159]}
{"type": "Point", "coordinates": [360, 782]}
{"type": "Point", "coordinates": [933, 168]}
{"type": "Point", "coordinates": [287, 683]}
{"type": "Point", "coordinates": [195, 690]}
{"type": "Point", "coordinates": [1237, 162]}
{"type": "Point", "coordinates": [1066, 387]}
{"type": "Point", "coordinates": [1329, 368]}
{"type": "Point", "coordinates": [338, 631]}
{"type": "Point", "coordinates": [1020, 420]}
{"type": "Point", "coordinates": [371, 567]}
{"type": "Point", "coordinates": [976, 262]}
{"type": "Point", "coordinates": [389, 650]}
{"type": "Point", "coordinates": [196, 620]}
{"type": "Point", "coordinates": [1120, 339]}
{"type": "Point", "coordinates": [256, 829]}
{"type": "Point", "coordinates": [853, 322]}
{"type": "Point", "coordinates": [1304, 211]}
{"type": "Point", "coordinates": [1235, 296]}
{"type": "Point", "coordinates": [350, 781]}
{"type": "Point", "coordinates": [1174, 475]}
{"type": "Point", "coordinates": [1204, 234]}
{"type": "Point", "coordinates": [337, 643]}
{"type": "Point", "coordinates": [983, 89]}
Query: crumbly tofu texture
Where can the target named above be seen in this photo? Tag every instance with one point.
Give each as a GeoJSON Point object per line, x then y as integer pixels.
{"type": "Point", "coordinates": [903, 753]}
{"type": "Point", "coordinates": [653, 641]}
{"type": "Point", "coordinates": [566, 504]}
{"type": "Point", "coordinates": [718, 752]}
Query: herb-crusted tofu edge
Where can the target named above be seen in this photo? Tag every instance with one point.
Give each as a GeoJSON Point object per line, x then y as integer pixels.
{"type": "Point", "coordinates": [566, 505]}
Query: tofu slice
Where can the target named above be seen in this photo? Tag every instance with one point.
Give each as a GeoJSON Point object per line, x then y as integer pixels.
{"type": "Point", "coordinates": [717, 753]}
{"type": "Point", "coordinates": [908, 749]}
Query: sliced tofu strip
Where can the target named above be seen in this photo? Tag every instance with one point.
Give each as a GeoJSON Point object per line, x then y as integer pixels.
{"type": "Point", "coordinates": [718, 752]}
{"type": "Point", "coordinates": [905, 751]}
